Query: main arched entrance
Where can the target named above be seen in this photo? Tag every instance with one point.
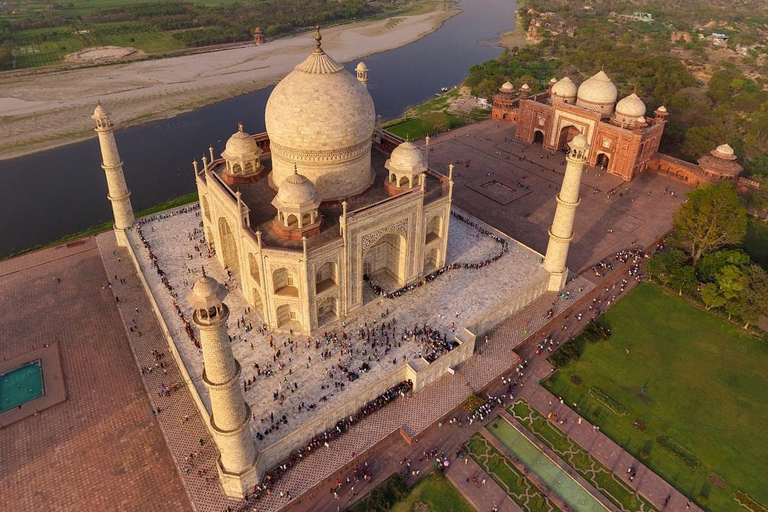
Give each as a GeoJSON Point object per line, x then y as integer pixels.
{"type": "Point", "coordinates": [228, 247]}
{"type": "Point", "coordinates": [384, 263]}
{"type": "Point", "coordinates": [566, 135]}
{"type": "Point", "coordinates": [602, 160]}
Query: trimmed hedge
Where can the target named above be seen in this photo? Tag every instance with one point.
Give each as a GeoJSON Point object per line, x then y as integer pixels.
{"type": "Point", "coordinates": [678, 451]}
{"type": "Point", "coordinates": [746, 501]}
{"type": "Point", "coordinates": [611, 404]}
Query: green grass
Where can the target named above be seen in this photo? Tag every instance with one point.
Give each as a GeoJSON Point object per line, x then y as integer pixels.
{"type": "Point", "coordinates": [433, 489]}
{"type": "Point", "coordinates": [592, 470]}
{"type": "Point", "coordinates": [511, 480]}
{"type": "Point", "coordinates": [416, 128]}
{"type": "Point", "coordinates": [756, 242]}
{"type": "Point", "coordinates": [95, 230]}
{"type": "Point", "coordinates": [693, 379]}
{"type": "Point", "coordinates": [436, 491]}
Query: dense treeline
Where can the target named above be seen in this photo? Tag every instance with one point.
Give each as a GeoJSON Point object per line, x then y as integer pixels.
{"type": "Point", "coordinates": [190, 24]}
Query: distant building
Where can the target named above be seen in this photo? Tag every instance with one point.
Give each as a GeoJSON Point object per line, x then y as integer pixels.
{"type": "Point", "coordinates": [624, 141]}
{"type": "Point", "coordinates": [258, 36]}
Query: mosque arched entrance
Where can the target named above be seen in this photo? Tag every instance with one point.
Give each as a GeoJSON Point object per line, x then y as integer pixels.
{"type": "Point", "coordinates": [228, 247]}
{"type": "Point", "coordinates": [566, 135]}
{"type": "Point", "coordinates": [384, 262]}
{"type": "Point", "coordinates": [602, 160]}
{"type": "Point", "coordinates": [327, 310]}
{"type": "Point", "coordinates": [538, 137]}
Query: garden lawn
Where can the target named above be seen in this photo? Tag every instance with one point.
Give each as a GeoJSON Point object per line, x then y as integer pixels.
{"type": "Point", "coordinates": [692, 378]}
{"type": "Point", "coordinates": [436, 491]}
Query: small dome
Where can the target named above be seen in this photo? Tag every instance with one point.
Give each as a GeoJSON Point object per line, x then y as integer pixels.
{"type": "Point", "coordinates": [661, 109]}
{"type": "Point", "coordinates": [240, 144]}
{"type": "Point", "coordinates": [724, 151]}
{"type": "Point", "coordinates": [564, 88]}
{"type": "Point", "coordinates": [297, 190]}
{"type": "Point", "coordinates": [100, 111]}
{"type": "Point", "coordinates": [525, 87]}
{"type": "Point", "coordinates": [599, 90]}
{"type": "Point", "coordinates": [553, 80]}
{"type": "Point", "coordinates": [206, 293]}
{"type": "Point", "coordinates": [579, 142]}
{"type": "Point", "coordinates": [641, 120]}
{"type": "Point", "coordinates": [361, 66]}
{"type": "Point", "coordinates": [631, 106]}
{"type": "Point", "coordinates": [507, 87]}
{"type": "Point", "coordinates": [407, 157]}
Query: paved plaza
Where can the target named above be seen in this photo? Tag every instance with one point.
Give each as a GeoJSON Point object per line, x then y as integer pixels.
{"type": "Point", "coordinates": [306, 378]}
{"type": "Point", "coordinates": [517, 196]}
{"type": "Point", "coordinates": [101, 449]}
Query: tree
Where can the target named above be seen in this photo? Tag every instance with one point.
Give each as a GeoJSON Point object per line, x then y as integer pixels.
{"type": "Point", "coordinates": [665, 265]}
{"type": "Point", "coordinates": [709, 264]}
{"type": "Point", "coordinates": [731, 281]}
{"type": "Point", "coordinates": [683, 278]}
{"type": "Point", "coordinates": [752, 302]}
{"type": "Point", "coordinates": [711, 296]}
{"type": "Point", "coordinates": [712, 217]}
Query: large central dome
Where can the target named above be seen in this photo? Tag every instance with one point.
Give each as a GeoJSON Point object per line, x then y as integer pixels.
{"type": "Point", "coordinates": [322, 117]}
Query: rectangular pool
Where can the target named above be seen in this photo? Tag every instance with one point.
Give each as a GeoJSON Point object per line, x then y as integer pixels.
{"type": "Point", "coordinates": [21, 385]}
{"type": "Point", "coordinates": [543, 467]}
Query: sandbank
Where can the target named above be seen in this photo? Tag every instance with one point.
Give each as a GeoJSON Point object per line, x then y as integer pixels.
{"type": "Point", "coordinates": [52, 108]}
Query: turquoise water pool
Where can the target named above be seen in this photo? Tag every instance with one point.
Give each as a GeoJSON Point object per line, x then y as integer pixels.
{"type": "Point", "coordinates": [21, 385]}
{"type": "Point", "coordinates": [542, 466]}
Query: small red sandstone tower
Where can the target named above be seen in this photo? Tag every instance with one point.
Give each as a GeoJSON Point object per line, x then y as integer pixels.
{"type": "Point", "coordinates": [258, 36]}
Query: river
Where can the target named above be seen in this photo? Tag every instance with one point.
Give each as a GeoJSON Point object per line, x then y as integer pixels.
{"type": "Point", "coordinates": [53, 193]}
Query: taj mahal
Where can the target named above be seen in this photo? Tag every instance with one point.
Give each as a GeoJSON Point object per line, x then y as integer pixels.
{"type": "Point", "coordinates": [313, 233]}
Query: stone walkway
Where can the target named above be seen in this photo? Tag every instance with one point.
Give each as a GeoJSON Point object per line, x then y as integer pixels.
{"type": "Point", "coordinates": [183, 437]}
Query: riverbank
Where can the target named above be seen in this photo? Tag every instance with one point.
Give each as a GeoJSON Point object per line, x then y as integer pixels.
{"type": "Point", "coordinates": [50, 109]}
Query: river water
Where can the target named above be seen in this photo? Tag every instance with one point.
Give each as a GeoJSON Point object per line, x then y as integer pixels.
{"type": "Point", "coordinates": [49, 194]}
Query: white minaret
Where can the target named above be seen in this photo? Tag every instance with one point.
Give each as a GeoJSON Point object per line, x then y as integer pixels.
{"type": "Point", "coordinates": [362, 73]}
{"type": "Point", "coordinates": [561, 232]}
{"type": "Point", "coordinates": [118, 194]}
{"type": "Point", "coordinates": [230, 415]}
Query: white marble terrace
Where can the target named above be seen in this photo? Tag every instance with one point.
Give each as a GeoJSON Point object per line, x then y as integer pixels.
{"type": "Point", "coordinates": [470, 294]}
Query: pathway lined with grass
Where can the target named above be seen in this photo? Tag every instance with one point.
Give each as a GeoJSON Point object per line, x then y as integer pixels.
{"type": "Point", "coordinates": [504, 473]}
{"type": "Point", "coordinates": [591, 469]}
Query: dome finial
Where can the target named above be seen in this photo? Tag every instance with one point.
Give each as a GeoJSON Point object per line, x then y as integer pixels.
{"type": "Point", "coordinates": [203, 267]}
{"type": "Point", "coordinates": [318, 38]}
{"type": "Point", "coordinates": [295, 168]}
{"type": "Point", "coordinates": [240, 127]}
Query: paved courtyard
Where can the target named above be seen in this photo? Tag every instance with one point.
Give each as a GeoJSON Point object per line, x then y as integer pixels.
{"type": "Point", "coordinates": [101, 449]}
{"type": "Point", "coordinates": [517, 196]}
{"type": "Point", "coordinates": [307, 378]}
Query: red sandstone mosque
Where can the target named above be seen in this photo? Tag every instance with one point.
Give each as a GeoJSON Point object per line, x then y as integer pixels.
{"type": "Point", "coordinates": [625, 141]}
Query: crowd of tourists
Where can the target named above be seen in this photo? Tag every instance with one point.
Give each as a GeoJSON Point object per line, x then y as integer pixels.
{"type": "Point", "coordinates": [504, 247]}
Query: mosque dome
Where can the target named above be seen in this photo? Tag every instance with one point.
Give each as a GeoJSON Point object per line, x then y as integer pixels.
{"type": "Point", "coordinates": [579, 142]}
{"type": "Point", "coordinates": [297, 190]}
{"type": "Point", "coordinates": [564, 88]}
{"type": "Point", "coordinates": [407, 157]}
{"type": "Point", "coordinates": [100, 111]}
{"type": "Point", "coordinates": [321, 115]}
{"type": "Point", "coordinates": [206, 293]}
{"type": "Point", "coordinates": [724, 151]}
{"type": "Point", "coordinates": [240, 144]}
{"type": "Point", "coordinates": [361, 66]}
{"type": "Point", "coordinates": [631, 106]}
{"type": "Point", "coordinates": [507, 87]}
{"type": "Point", "coordinates": [598, 93]}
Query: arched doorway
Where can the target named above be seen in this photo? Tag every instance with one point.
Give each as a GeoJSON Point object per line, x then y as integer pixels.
{"type": "Point", "coordinates": [602, 160]}
{"type": "Point", "coordinates": [566, 135]}
{"type": "Point", "coordinates": [431, 260]}
{"type": "Point", "coordinates": [538, 137]}
{"type": "Point", "coordinates": [327, 310]}
{"type": "Point", "coordinates": [228, 247]}
{"type": "Point", "coordinates": [384, 262]}
{"type": "Point", "coordinates": [325, 277]}
{"type": "Point", "coordinates": [434, 226]}
{"type": "Point", "coordinates": [258, 305]}
{"type": "Point", "coordinates": [287, 316]}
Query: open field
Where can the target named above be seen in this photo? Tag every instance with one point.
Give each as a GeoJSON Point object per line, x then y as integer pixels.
{"type": "Point", "coordinates": [693, 389]}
